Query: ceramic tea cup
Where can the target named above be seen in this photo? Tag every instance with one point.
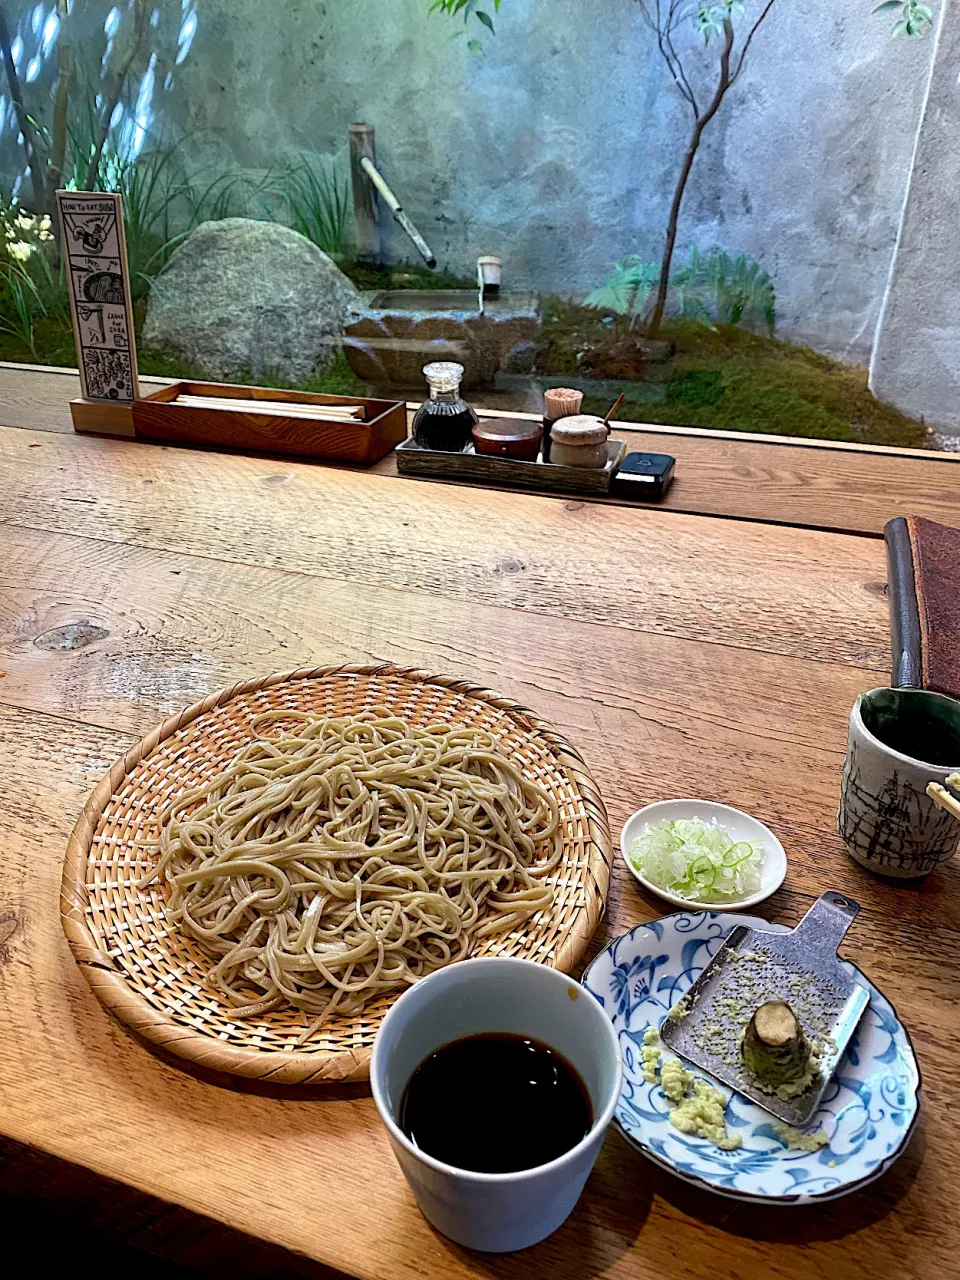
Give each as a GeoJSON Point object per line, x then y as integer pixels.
{"type": "Point", "coordinates": [900, 740]}
{"type": "Point", "coordinates": [496, 1212]}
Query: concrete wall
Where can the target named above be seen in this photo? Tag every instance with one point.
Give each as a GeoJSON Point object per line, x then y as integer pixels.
{"type": "Point", "coordinates": [916, 358]}
{"type": "Point", "coordinates": [559, 145]}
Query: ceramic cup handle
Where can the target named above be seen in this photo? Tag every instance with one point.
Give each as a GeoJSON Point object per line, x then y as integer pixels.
{"type": "Point", "coordinates": [944, 799]}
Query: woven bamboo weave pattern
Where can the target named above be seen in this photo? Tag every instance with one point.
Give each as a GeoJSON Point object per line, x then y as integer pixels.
{"type": "Point", "coordinates": [154, 979]}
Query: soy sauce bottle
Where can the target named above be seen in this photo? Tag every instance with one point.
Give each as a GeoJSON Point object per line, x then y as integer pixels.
{"type": "Point", "coordinates": [445, 421]}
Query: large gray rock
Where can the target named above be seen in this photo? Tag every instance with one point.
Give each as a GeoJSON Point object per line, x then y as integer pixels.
{"type": "Point", "coordinates": [240, 297]}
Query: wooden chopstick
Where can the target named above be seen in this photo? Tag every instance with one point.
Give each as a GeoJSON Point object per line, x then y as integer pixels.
{"type": "Point", "coordinates": [276, 408]}
{"type": "Point", "coordinates": [941, 796]}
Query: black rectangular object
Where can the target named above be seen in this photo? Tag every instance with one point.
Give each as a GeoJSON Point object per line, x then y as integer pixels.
{"type": "Point", "coordinates": [643, 477]}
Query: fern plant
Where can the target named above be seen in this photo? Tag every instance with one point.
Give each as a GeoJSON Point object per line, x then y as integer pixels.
{"type": "Point", "coordinates": [712, 288]}
{"type": "Point", "coordinates": [626, 289]}
{"type": "Point", "coordinates": [718, 289]}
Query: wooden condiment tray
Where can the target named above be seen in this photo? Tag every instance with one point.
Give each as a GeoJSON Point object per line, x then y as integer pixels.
{"type": "Point", "coordinates": [308, 435]}
{"type": "Point", "coordinates": [479, 468]}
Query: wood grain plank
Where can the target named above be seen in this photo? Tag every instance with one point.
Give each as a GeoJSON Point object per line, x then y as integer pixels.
{"type": "Point", "coordinates": [763, 732]}
{"type": "Point", "coordinates": [149, 581]}
{"type": "Point", "coordinates": [809, 483]}
{"type": "Point", "coordinates": [131, 1117]}
{"type": "Point", "coordinates": [755, 586]}
{"type": "Point", "coordinates": [786, 482]}
{"type": "Point", "coordinates": [838, 488]}
{"type": "Point", "coordinates": [37, 397]}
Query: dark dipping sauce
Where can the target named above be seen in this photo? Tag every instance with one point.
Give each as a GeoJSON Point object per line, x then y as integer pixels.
{"type": "Point", "coordinates": [495, 1103]}
{"type": "Point", "coordinates": [444, 426]}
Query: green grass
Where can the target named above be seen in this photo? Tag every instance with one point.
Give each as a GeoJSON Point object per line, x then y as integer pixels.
{"type": "Point", "coordinates": [317, 201]}
{"type": "Point", "coordinates": [733, 380]}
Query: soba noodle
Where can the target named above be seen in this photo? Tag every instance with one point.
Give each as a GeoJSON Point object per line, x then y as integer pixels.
{"type": "Point", "coordinates": [348, 857]}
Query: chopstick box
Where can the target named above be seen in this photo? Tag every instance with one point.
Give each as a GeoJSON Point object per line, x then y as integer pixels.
{"type": "Point", "coordinates": [310, 434]}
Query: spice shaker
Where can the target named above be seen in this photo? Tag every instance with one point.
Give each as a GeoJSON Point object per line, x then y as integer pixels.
{"type": "Point", "coordinates": [445, 421]}
{"type": "Point", "coordinates": [580, 441]}
{"type": "Point", "coordinates": [558, 402]}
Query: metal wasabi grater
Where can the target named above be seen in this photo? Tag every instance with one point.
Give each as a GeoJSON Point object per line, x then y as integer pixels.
{"type": "Point", "coordinates": [753, 966]}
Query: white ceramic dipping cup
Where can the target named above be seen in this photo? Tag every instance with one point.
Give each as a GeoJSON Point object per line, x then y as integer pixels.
{"type": "Point", "coordinates": [496, 1212]}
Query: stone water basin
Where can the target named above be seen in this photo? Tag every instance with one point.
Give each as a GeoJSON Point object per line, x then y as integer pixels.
{"type": "Point", "coordinates": [398, 331]}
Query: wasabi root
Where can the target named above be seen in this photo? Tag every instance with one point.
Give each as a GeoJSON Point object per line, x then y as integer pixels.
{"type": "Point", "coordinates": [775, 1050]}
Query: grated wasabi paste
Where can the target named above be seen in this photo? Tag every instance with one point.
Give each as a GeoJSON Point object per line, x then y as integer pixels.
{"type": "Point", "coordinates": [695, 1106]}
{"type": "Point", "coordinates": [797, 1140]}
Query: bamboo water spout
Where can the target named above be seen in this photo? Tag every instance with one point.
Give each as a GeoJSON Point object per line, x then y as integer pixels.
{"type": "Point", "coordinates": [367, 183]}
{"type": "Point", "coordinates": [393, 204]}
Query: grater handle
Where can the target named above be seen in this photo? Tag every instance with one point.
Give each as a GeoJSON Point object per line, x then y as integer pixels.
{"type": "Point", "coordinates": [825, 925]}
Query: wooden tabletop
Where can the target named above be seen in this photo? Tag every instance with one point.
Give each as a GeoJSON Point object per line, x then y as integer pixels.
{"type": "Point", "coordinates": [783, 480]}
{"type": "Point", "coordinates": [682, 654]}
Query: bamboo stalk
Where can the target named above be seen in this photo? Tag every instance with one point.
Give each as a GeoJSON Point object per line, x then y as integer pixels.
{"type": "Point", "coordinates": [393, 204]}
{"type": "Point", "coordinates": [24, 121]}
{"type": "Point", "coordinates": [364, 195]}
{"type": "Point", "coordinates": [139, 26]}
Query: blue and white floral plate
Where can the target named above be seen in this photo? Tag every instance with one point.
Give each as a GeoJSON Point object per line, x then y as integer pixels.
{"type": "Point", "coordinates": [868, 1111]}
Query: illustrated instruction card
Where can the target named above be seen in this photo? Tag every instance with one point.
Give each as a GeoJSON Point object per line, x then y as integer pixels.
{"type": "Point", "coordinates": [96, 260]}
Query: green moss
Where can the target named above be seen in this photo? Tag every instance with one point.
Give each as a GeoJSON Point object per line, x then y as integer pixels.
{"type": "Point", "coordinates": [54, 343]}
{"type": "Point", "coordinates": [728, 378]}
{"type": "Point", "coordinates": [339, 380]}
{"type": "Point", "coordinates": [733, 380]}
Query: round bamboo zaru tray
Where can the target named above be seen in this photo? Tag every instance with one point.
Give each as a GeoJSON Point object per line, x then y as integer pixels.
{"type": "Point", "coordinates": [155, 980]}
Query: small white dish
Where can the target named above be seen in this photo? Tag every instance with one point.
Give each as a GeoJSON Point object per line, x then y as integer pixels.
{"type": "Point", "coordinates": [739, 826]}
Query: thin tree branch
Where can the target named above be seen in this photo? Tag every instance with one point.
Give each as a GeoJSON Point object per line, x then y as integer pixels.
{"type": "Point", "coordinates": [746, 44]}
{"type": "Point", "coordinates": [23, 120]}
{"type": "Point", "coordinates": [647, 15]}
{"type": "Point", "coordinates": [139, 23]}
{"type": "Point", "coordinates": [687, 88]}
{"type": "Point", "coordinates": [724, 81]}
{"type": "Point", "coordinates": [662, 25]}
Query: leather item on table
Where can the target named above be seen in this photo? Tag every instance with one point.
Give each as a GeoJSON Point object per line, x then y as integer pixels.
{"type": "Point", "coordinates": [923, 560]}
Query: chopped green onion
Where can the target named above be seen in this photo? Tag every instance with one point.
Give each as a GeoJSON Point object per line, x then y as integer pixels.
{"type": "Point", "coordinates": [698, 860]}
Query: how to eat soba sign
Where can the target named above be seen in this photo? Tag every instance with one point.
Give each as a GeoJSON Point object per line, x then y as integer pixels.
{"type": "Point", "coordinates": [95, 255]}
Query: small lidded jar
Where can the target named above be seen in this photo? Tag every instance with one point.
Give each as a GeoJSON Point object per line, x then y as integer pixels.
{"type": "Point", "coordinates": [445, 421]}
{"type": "Point", "coordinates": [579, 441]}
